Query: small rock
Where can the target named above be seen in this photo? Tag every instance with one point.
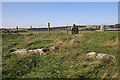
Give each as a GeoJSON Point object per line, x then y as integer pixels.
{"type": "Point", "coordinates": [30, 51]}
{"type": "Point", "coordinates": [105, 56]}
{"type": "Point", "coordinates": [21, 52]}
{"type": "Point", "coordinates": [54, 48]}
{"type": "Point", "coordinates": [25, 51]}
{"type": "Point", "coordinates": [100, 55]}
{"type": "Point", "coordinates": [91, 55]}
{"type": "Point", "coordinates": [38, 51]}
{"type": "Point", "coordinates": [74, 41]}
{"type": "Point", "coordinates": [110, 56]}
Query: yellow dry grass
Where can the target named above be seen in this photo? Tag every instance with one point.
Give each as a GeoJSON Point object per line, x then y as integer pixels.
{"type": "Point", "coordinates": [112, 44]}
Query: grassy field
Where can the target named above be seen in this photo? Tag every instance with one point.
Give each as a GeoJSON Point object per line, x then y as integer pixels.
{"type": "Point", "coordinates": [68, 62]}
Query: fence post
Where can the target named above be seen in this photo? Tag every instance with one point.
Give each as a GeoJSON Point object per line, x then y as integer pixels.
{"type": "Point", "coordinates": [48, 26]}
{"type": "Point", "coordinates": [17, 28]}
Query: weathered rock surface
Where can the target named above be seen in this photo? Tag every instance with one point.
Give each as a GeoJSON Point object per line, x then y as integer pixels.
{"type": "Point", "coordinates": [54, 48]}
{"type": "Point", "coordinates": [39, 51]}
{"type": "Point", "coordinates": [74, 41]}
{"type": "Point", "coordinates": [30, 51]}
{"type": "Point", "coordinates": [99, 55]}
{"type": "Point", "coordinates": [21, 52]}
{"type": "Point", "coordinates": [110, 56]}
{"type": "Point", "coordinates": [91, 55]}
{"type": "Point", "coordinates": [25, 51]}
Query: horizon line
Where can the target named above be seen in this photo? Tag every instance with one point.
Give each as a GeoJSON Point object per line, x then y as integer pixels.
{"type": "Point", "coordinates": [56, 26]}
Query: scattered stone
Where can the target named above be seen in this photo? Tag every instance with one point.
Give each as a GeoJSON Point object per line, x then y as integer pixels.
{"type": "Point", "coordinates": [110, 56]}
{"type": "Point", "coordinates": [91, 55]}
{"type": "Point", "coordinates": [30, 51]}
{"type": "Point", "coordinates": [74, 41]}
{"type": "Point", "coordinates": [25, 51]}
{"type": "Point", "coordinates": [99, 55]}
{"type": "Point", "coordinates": [21, 52]}
{"type": "Point", "coordinates": [38, 51]}
{"type": "Point", "coordinates": [54, 48]}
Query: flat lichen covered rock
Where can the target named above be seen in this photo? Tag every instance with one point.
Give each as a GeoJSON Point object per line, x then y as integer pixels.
{"type": "Point", "coordinates": [99, 55]}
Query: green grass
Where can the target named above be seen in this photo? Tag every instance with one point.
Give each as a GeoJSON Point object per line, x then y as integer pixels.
{"type": "Point", "coordinates": [68, 62]}
{"type": "Point", "coordinates": [90, 27]}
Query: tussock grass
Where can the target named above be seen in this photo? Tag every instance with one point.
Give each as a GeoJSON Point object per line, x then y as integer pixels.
{"type": "Point", "coordinates": [68, 62]}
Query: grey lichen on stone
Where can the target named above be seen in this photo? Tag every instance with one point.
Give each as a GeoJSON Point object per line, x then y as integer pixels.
{"type": "Point", "coordinates": [99, 55]}
{"type": "Point", "coordinates": [103, 28]}
{"type": "Point", "coordinates": [27, 52]}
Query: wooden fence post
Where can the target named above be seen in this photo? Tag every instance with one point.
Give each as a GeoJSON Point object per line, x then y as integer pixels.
{"type": "Point", "coordinates": [48, 26]}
